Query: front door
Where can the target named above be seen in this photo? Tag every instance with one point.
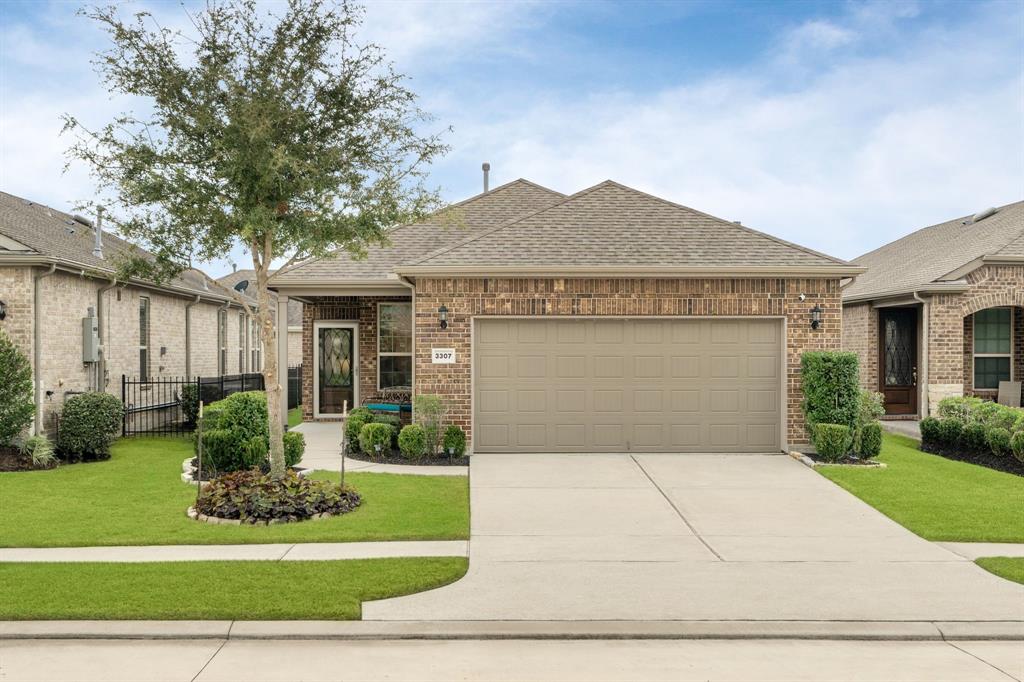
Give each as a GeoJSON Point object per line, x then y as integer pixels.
{"type": "Point", "coordinates": [897, 328]}
{"type": "Point", "coordinates": [334, 368]}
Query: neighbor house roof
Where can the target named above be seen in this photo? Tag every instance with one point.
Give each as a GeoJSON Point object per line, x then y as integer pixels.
{"type": "Point", "coordinates": [611, 227]}
{"type": "Point", "coordinates": [937, 258]}
{"type": "Point", "coordinates": [455, 223]}
{"type": "Point", "coordinates": [32, 233]}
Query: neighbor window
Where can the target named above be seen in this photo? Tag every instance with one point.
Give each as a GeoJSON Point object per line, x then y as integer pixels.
{"type": "Point", "coordinates": [255, 345]}
{"type": "Point", "coordinates": [222, 342]}
{"type": "Point", "coordinates": [144, 338]}
{"type": "Point", "coordinates": [992, 344]}
{"type": "Point", "coordinates": [394, 345]}
{"type": "Point", "coordinates": [241, 343]}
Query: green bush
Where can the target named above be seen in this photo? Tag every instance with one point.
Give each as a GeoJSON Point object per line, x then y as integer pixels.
{"type": "Point", "coordinates": [429, 412]}
{"type": "Point", "coordinates": [236, 432]}
{"type": "Point", "coordinates": [830, 388]}
{"type": "Point", "coordinates": [959, 407]}
{"type": "Point", "coordinates": [294, 447]}
{"type": "Point", "coordinates": [870, 441]}
{"type": "Point", "coordinates": [832, 441]}
{"type": "Point", "coordinates": [412, 441]}
{"type": "Point", "coordinates": [189, 400]}
{"type": "Point", "coordinates": [353, 427]}
{"type": "Point", "coordinates": [364, 413]}
{"type": "Point", "coordinates": [950, 432]}
{"type": "Point", "coordinates": [930, 430]}
{"type": "Point", "coordinates": [975, 437]}
{"type": "Point", "coordinates": [40, 450]}
{"type": "Point", "coordinates": [374, 435]}
{"type": "Point", "coordinates": [999, 441]}
{"type": "Point", "coordinates": [17, 402]}
{"type": "Point", "coordinates": [256, 497]}
{"type": "Point", "coordinates": [454, 441]}
{"type": "Point", "coordinates": [995, 415]}
{"type": "Point", "coordinates": [1017, 446]}
{"type": "Point", "coordinates": [392, 420]}
{"type": "Point", "coordinates": [89, 423]}
{"type": "Point", "coordinates": [869, 409]}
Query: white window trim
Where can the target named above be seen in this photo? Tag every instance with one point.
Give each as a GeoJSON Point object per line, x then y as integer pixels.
{"type": "Point", "coordinates": [974, 356]}
{"type": "Point", "coordinates": [144, 342]}
{"type": "Point", "coordinates": [222, 342]}
{"type": "Point", "coordinates": [242, 319]}
{"type": "Point", "coordinates": [380, 355]}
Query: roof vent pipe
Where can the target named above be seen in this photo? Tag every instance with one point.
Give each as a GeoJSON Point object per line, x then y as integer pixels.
{"type": "Point", "coordinates": [985, 213]}
{"type": "Point", "coordinates": [97, 249]}
{"type": "Point", "coordinates": [487, 178]}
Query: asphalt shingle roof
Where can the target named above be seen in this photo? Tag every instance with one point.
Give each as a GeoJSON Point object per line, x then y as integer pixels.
{"type": "Point", "coordinates": [930, 254]}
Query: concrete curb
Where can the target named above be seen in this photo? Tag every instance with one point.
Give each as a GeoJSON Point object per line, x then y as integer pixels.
{"type": "Point", "coordinates": [489, 630]}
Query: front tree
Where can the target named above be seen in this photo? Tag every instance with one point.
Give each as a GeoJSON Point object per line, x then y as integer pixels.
{"type": "Point", "coordinates": [281, 134]}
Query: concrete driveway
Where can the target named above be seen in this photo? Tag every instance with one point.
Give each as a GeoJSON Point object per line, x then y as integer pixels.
{"type": "Point", "coordinates": [693, 537]}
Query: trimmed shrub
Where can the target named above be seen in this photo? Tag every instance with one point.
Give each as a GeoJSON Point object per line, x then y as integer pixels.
{"type": "Point", "coordinates": [1017, 446]}
{"type": "Point", "coordinates": [294, 447]}
{"type": "Point", "coordinates": [959, 407]}
{"type": "Point", "coordinates": [930, 430]}
{"type": "Point", "coordinates": [256, 497]}
{"type": "Point", "coordinates": [429, 411]}
{"type": "Point", "coordinates": [975, 437]}
{"type": "Point", "coordinates": [40, 450]}
{"type": "Point", "coordinates": [950, 432]}
{"type": "Point", "coordinates": [830, 388]}
{"type": "Point", "coordinates": [995, 415]}
{"type": "Point", "coordinates": [17, 402]}
{"type": "Point", "coordinates": [189, 400]}
{"type": "Point", "coordinates": [354, 424]}
{"type": "Point", "coordinates": [412, 441]}
{"type": "Point", "coordinates": [832, 441]}
{"type": "Point", "coordinates": [364, 413]}
{"type": "Point", "coordinates": [870, 441]}
{"type": "Point", "coordinates": [89, 423]}
{"type": "Point", "coordinates": [374, 435]}
{"type": "Point", "coordinates": [392, 420]}
{"type": "Point", "coordinates": [454, 441]}
{"type": "Point", "coordinates": [999, 441]}
{"type": "Point", "coordinates": [869, 409]}
{"type": "Point", "coordinates": [236, 432]}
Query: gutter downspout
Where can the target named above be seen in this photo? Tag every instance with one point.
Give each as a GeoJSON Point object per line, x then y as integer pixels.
{"type": "Point", "coordinates": [412, 290]}
{"type": "Point", "coordinates": [101, 366]}
{"type": "Point", "coordinates": [188, 336]}
{"type": "Point", "coordinates": [37, 345]}
{"type": "Point", "coordinates": [924, 410]}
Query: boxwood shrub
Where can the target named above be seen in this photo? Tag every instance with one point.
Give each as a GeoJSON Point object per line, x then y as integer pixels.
{"type": "Point", "coordinates": [930, 430]}
{"type": "Point", "coordinates": [89, 423]}
{"type": "Point", "coordinates": [950, 432]}
{"type": "Point", "coordinates": [373, 435]}
{"type": "Point", "coordinates": [412, 441]}
{"type": "Point", "coordinates": [236, 434]}
{"type": "Point", "coordinates": [870, 441]}
{"type": "Point", "coordinates": [832, 441]}
{"type": "Point", "coordinates": [1017, 445]}
{"type": "Point", "coordinates": [998, 440]}
{"type": "Point", "coordinates": [454, 442]}
{"type": "Point", "coordinates": [975, 437]}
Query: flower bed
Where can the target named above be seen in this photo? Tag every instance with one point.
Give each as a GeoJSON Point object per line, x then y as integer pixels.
{"type": "Point", "coordinates": [396, 457]}
{"type": "Point", "coordinates": [255, 497]}
{"type": "Point", "coordinates": [973, 430]}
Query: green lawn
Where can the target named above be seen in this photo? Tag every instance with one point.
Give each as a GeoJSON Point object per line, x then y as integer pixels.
{"type": "Point", "coordinates": [1011, 568]}
{"type": "Point", "coordinates": [212, 590]}
{"type": "Point", "coordinates": [137, 498]}
{"type": "Point", "coordinates": [937, 498]}
{"type": "Point", "coordinates": [294, 416]}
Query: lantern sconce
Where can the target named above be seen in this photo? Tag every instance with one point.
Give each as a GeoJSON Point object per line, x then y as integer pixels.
{"type": "Point", "coordinates": [816, 312]}
{"type": "Point", "coordinates": [3, 310]}
{"type": "Point", "coordinates": [442, 315]}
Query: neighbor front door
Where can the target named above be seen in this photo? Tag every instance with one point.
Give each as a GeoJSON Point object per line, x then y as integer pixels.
{"type": "Point", "coordinates": [897, 328]}
{"type": "Point", "coordinates": [334, 368]}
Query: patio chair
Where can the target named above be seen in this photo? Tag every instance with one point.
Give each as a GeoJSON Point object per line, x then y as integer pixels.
{"type": "Point", "coordinates": [1009, 393]}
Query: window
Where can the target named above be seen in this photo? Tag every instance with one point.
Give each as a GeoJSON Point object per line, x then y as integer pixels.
{"type": "Point", "coordinates": [394, 345]}
{"type": "Point", "coordinates": [241, 343]}
{"type": "Point", "coordinates": [144, 338]}
{"type": "Point", "coordinates": [992, 344]}
{"type": "Point", "coordinates": [222, 342]}
{"type": "Point", "coordinates": [255, 346]}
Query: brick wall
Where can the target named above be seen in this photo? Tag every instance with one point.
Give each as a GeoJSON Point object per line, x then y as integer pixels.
{"type": "Point", "coordinates": [16, 293]}
{"type": "Point", "coordinates": [466, 298]}
{"type": "Point", "coordinates": [860, 336]}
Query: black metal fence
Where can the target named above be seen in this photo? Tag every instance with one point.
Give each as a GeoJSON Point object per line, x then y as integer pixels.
{"type": "Point", "coordinates": [162, 406]}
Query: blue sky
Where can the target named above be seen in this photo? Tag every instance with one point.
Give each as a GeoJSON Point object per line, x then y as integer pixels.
{"type": "Point", "coordinates": [838, 125]}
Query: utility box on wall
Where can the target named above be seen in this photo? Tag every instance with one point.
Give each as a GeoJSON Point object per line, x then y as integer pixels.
{"type": "Point", "coordinates": [90, 337]}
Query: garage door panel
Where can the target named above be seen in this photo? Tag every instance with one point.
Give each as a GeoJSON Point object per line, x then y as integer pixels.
{"type": "Point", "coordinates": [670, 385]}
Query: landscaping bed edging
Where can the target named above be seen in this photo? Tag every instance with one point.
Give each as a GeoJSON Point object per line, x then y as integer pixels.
{"type": "Point", "coordinates": [813, 463]}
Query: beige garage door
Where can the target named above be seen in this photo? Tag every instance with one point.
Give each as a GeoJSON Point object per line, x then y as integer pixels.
{"type": "Point", "coordinates": [586, 385]}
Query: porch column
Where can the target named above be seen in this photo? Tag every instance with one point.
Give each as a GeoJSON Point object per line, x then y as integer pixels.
{"type": "Point", "coordinates": [945, 373]}
{"type": "Point", "coordinates": [281, 335]}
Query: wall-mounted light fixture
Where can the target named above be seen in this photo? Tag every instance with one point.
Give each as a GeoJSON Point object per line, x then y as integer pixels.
{"type": "Point", "coordinates": [816, 312]}
{"type": "Point", "coordinates": [3, 310]}
{"type": "Point", "coordinates": [442, 315]}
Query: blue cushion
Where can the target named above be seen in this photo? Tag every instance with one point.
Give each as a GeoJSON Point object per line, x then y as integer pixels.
{"type": "Point", "coordinates": [388, 407]}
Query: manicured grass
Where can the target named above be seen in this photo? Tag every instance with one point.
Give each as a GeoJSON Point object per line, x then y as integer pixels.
{"type": "Point", "coordinates": [215, 590]}
{"type": "Point", "coordinates": [1011, 568]}
{"type": "Point", "coordinates": [137, 498]}
{"type": "Point", "coordinates": [294, 416]}
{"type": "Point", "coordinates": [937, 498]}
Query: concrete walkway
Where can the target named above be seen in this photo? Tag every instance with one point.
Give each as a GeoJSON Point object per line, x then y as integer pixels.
{"type": "Point", "coordinates": [323, 451]}
{"type": "Point", "coordinates": [977, 550]}
{"type": "Point", "coordinates": [903, 427]}
{"type": "Point", "coordinates": [693, 537]}
{"type": "Point", "coordinates": [307, 551]}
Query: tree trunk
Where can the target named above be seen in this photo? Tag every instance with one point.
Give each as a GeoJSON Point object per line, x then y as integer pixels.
{"type": "Point", "coordinates": [271, 371]}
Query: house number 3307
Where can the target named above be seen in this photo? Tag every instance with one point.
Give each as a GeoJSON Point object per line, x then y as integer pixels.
{"type": "Point", "coordinates": [442, 356]}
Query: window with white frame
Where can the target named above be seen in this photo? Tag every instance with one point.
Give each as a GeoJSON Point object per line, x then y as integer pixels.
{"type": "Point", "coordinates": [144, 324]}
{"type": "Point", "coordinates": [222, 342]}
{"type": "Point", "coordinates": [241, 342]}
{"type": "Point", "coordinates": [993, 343]}
{"type": "Point", "coordinates": [255, 345]}
{"type": "Point", "coordinates": [394, 345]}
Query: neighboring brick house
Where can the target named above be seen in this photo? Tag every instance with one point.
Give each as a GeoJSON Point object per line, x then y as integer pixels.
{"type": "Point", "coordinates": [940, 312]}
{"type": "Point", "coordinates": [608, 320]}
{"type": "Point", "coordinates": [294, 315]}
{"type": "Point", "coordinates": [53, 276]}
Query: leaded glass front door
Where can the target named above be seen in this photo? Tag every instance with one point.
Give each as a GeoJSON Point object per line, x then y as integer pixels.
{"type": "Point", "coordinates": [335, 368]}
{"type": "Point", "coordinates": [897, 328]}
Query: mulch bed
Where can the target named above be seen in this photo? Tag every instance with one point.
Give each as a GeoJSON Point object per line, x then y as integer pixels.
{"type": "Point", "coordinates": [395, 457]}
{"type": "Point", "coordinates": [1008, 464]}
{"type": "Point", "coordinates": [11, 459]}
{"type": "Point", "coordinates": [845, 461]}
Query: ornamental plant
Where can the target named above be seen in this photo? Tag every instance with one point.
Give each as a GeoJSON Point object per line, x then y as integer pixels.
{"type": "Point", "coordinates": [89, 423]}
{"type": "Point", "coordinates": [831, 390]}
{"type": "Point", "coordinates": [255, 497]}
{"type": "Point", "coordinates": [454, 441]}
{"type": "Point", "coordinates": [412, 442]}
{"type": "Point", "coordinates": [429, 411]}
{"type": "Point", "coordinates": [832, 441]}
{"type": "Point", "coordinates": [17, 407]}
{"type": "Point", "coordinates": [375, 438]}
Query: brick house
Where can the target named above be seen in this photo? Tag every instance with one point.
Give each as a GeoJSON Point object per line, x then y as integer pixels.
{"type": "Point", "coordinates": [55, 273]}
{"type": "Point", "coordinates": [608, 320]}
{"type": "Point", "coordinates": [940, 312]}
